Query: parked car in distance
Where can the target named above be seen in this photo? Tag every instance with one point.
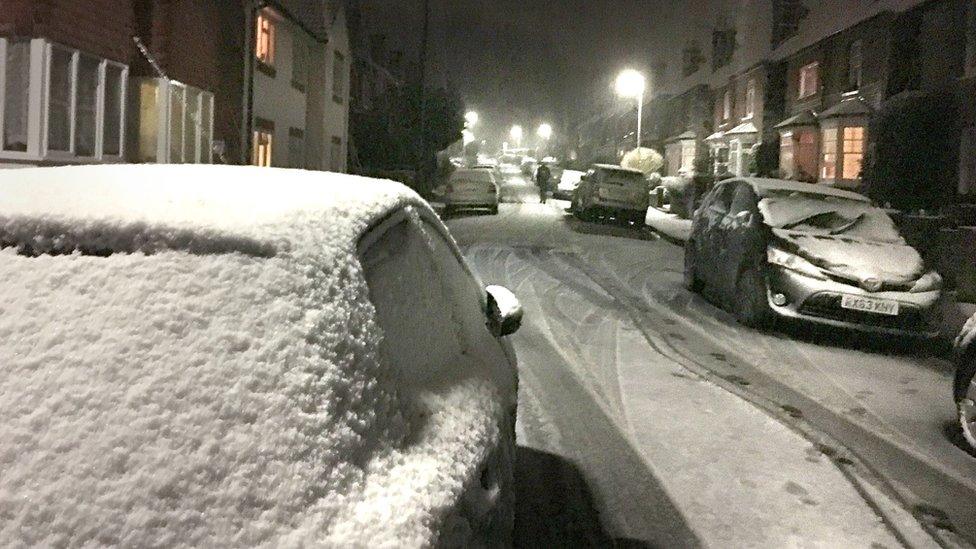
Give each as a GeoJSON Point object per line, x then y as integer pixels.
{"type": "Point", "coordinates": [224, 355]}
{"type": "Point", "coordinates": [964, 384]}
{"type": "Point", "coordinates": [528, 166]}
{"type": "Point", "coordinates": [767, 249]}
{"type": "Point", "coordinates": [469, 188]}
{"type": "Point", "coordinates": [611, 190]}
{"type": "Point", "coordinates": [566, 184]}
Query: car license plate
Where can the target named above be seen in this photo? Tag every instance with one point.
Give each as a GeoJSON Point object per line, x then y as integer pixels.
{"type": "Point", "coordinates": [869, 305]}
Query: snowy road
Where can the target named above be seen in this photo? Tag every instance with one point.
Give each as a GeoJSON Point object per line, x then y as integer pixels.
{"type": "Point", "coordinates": [646, 414]}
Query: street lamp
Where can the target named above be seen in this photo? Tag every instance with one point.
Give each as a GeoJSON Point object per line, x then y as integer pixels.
{"type": "Point", "coordinates": [471, 118]}
{"type": "Point", "coordinates": [516, 134]}
{"type": "Point", "coordinates": [630, 83]}
{"type": "Point", "coordinates": [545, 131]}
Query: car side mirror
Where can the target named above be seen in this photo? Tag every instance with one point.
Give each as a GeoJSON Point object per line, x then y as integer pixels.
{"type": "Point", "coordinates": [504, 311]}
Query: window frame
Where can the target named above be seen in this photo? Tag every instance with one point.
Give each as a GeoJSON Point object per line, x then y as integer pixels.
{"type": "Point", "coordinates": [35, 83]}
{"type": "Point", "coordinates": [803, 84]}
{"type": "Point", "coordinates": [750, 107]}
{"type": "Point", "coordinates": [263, 127]}
{"type": "Point", "coordinates": [265, 63]}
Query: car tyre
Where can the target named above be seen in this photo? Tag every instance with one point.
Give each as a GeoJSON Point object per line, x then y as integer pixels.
{"type": "Point", "coordinates": [965, 394]}
{"type": "Point", "coordinates": [691, 280]}
{"type": "Point", "coordinates": [750, 300]}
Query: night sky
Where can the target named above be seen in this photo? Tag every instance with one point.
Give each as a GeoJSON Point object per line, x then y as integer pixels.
{"type": "Point", "coordinates": [524, 61]}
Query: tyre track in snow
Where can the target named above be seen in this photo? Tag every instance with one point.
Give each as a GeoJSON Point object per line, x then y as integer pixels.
{"type": "Point", "coordinates": [564, 268]}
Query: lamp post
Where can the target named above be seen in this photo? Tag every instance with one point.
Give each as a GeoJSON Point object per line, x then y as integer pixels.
{"type": "Point", "coordinates": [631, 83]}
{"type": "Point", "coordinates": [516, 134]}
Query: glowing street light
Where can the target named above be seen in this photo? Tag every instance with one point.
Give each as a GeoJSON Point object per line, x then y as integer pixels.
{"type": "Point", "coordinates": [471, 118]}
{"type": "Point", "coordinates": [545, 131]}
{"type": "Point", "coordinates": [516, 134]}
{"type": "Point", "coordinates": [631, 83]}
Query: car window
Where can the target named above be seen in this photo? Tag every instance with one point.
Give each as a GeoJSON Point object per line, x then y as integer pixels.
{"type": "Point", "coordinates": [412, 310]}
{"type": "Point", "coordinates": [428, 304]}
{"type": "Point", "coordinates": [743, 199]}
{"type": "Point", "coordinates": [721, 198]}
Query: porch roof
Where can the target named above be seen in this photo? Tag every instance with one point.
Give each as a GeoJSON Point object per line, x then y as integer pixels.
{"type": "Point", "coordinates": [847, 107]}
{"type": "Point", "coordinates": [743, 129]}
{"type": "Point", "coordinates": [805, 118]}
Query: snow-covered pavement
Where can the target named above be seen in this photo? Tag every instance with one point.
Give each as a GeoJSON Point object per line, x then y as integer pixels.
{"type": "Point", "coordinates": [680, 427]}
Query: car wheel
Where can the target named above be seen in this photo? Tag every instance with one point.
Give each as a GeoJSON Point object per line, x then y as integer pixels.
{"type": "Point", "coordinates": [751, 305]}
{"type": "Point", "coordinates": [965, 393]}
{"type": "Point", "coordinates": [692, 282]}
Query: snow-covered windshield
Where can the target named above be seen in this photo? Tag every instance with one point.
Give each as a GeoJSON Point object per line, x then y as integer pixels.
{"type": "Point", "coordinates": [817, 214]}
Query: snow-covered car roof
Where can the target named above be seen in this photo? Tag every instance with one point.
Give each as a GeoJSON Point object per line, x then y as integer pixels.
{"type": "Point", "coordinates": [200, 366]}
{"type": "Point", "coordinates": [764, 186]}
{"type": "Point", "coordinates": [617, 168]}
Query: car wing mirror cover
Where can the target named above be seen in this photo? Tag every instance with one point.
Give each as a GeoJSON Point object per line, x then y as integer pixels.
{"type": "Point", "coordinates": [504, 311]}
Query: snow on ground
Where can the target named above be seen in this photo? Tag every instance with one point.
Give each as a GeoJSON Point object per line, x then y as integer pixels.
{"type": "Point", "coordinates": [219, 382]}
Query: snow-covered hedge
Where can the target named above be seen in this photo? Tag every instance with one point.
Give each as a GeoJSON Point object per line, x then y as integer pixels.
{"type": "Point", "coordinates": [215, 381]}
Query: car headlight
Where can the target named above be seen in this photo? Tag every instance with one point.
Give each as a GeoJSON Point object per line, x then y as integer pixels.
{"type": "Point", "coordinates": [929, 282]}
{"type": "Point", "coordinates": [793, 262]}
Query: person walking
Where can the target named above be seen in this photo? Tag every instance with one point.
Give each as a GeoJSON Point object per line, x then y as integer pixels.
{"type": "Point", "coordinates": [542, 177]}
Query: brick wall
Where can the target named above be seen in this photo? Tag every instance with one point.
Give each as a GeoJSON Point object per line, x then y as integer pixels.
{"type": "Point", "coordinates": [100, 27]}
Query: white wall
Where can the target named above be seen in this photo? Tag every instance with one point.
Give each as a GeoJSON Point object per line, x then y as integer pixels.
{"type": "Point", "coordinates": [336, 113]}
{"type": "Point", "coordinates": [275, 98]}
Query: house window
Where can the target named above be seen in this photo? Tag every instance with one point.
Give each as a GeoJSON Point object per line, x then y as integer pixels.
{"type": "Point", "coordinates": [854, 62]}
{"type": "Point", "coordinates": [16, 98]}
{"type": "Point", "coordinates": [296, 148]}
{"type": "Point", "coordinates": [828, 160]}
{"type": "Point", "coordinates": [750, 98]}
{"type": "Point", "coordinates": [60, 97]}
{"type": "Point", "coordinates": [809, 80]}
{"type": "Point", "coordinates": [112, 127]}
{"type": "Point", "coordinates": [735, 156]}
{"type": "Point", "coordinates": [86, 112]}
{"type": "Point", "coordinates": [265, 39]}
{"type": "Point", "coordinates": [335, 154]}
{"type": "Point", "coordinates": [299, 67]}
{"type": "Point", "coordinates": [338, 77]}
{"type": "Point", "coordinates": [727, 105]}
{"type": "Point", "coordinates": [263, 142]}
{"type": "Point", "coordinates": [853, 151]}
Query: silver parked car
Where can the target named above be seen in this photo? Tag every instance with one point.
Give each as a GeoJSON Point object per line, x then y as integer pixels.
{"type": "Point", "coordinates": [767, 249]}
{"type": "Point", "coordinates": [472, 188]}
{"type": "Point", "coordinates": [611, 190]}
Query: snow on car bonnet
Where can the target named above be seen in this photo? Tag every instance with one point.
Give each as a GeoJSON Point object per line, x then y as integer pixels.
{"type": "Point", "coordinates": [211, 376]}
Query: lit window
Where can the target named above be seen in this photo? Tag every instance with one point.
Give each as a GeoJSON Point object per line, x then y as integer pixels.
{"type": "Point", "coordinates": [853, 151]}
{"type": "Point", "coordinates": [263, 142]}
{"type": "Point", "coordinates": [687, 156]}
{"type": "Point", "coordinates": [828, 161]}
{"type": "Point", "coordinates": [338, 77]}
{"type": "Point", "coordinates": [750, 98]}
{"type": "Point", "coordinates": [15, 106]}
{"type": "Point", "coordinates": [265, 39]}
{"type": "Point", "coordinates": [854, 62]}
{"type": "Point", "coordinates": [809, 80]}
{"type": "Point", "coordinates": [727, 105]}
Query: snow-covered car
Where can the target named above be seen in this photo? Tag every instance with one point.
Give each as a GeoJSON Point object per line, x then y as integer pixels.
{"type": "Point", "coordinates": [470, 188]}
{"type": "Point", "coordinates": [611, 190]}
{"type": "Point", "coordinates": [964, 384]}
{"type": "Point", "coordinates": [566, 184]}
{"type": "Point", "coordinates": [234, 356]}
{"type": "Point", "coordinates": [767, 248]}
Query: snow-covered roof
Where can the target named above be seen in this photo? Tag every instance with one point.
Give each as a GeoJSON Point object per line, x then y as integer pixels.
{"type": "Point", "coordinates": [743, 129]}
{"type": "Point", "coordinates": [804, 118]}
{"type": "Point", "coordinates": [716, 136]}
{"type": "Point", "coordinates": [220, 383]}
{"type": "Point", "coordinates": [763, 186]}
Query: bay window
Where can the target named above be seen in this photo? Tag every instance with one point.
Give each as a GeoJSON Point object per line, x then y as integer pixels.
{"type": "Point", "coordinates": [842, 152]}
{"type": "Point", "coordinates": [853, 154]}
{"type": "Point", "coordinates": [57, 103]}
{"type": "Point", "coordinates": [828, 159]}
